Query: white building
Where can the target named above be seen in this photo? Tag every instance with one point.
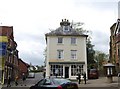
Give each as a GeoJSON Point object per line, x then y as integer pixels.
{"type": "Point", "coordinates": [66, 51]}
{"type": "Point", "coordinates": [119, 10]}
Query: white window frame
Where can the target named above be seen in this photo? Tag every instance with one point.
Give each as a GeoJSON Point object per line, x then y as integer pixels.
{"type": "Point", "coordinates": [60, 40]}
{"type": "Point", "coordinates": [73, 54]}
{"type": "Point", "coordinates": [60, 54]}
{"type": "Point", "coordinates": [73, 40]}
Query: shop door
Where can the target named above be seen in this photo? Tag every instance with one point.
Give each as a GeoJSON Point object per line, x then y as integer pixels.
{"type": "Point", "coordinates": [66, 72]}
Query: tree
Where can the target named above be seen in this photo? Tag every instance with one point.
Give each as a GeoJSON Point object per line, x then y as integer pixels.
{"type": "Point", "coordinates": [100, 59]}
{"type": "Point", "coordinates": [90, 51]}
{"type": "Point", "coordinates": [90, 55]}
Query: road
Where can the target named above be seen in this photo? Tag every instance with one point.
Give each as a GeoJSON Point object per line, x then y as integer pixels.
{"type": "Point", "coordinates": [79, 88]}
{"type": "Point", "coordinates": [31, 81]}
{"type": "Point", "coordinates": [27, 83]}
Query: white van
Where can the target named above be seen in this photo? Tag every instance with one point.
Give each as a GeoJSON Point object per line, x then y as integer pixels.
{"type": "Point", "coordinates": [31, 75]}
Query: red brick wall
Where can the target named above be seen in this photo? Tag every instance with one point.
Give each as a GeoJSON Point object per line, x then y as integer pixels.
{"type": "Point", "coordinates": [22, 67]}
{"type": "Point", "coordinates": [6, 31]}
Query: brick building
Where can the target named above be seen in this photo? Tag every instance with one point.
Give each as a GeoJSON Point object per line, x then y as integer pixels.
{"type": "Point", "coordinates": [115, 44]}
{"type": "Point", "coordinates": [23, 68]}
{"type": "Point", "coordinates": [9, 53]}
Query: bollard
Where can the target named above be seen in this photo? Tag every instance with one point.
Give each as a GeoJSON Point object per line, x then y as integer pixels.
{"type": "Point", "coordinates": [109, 79]}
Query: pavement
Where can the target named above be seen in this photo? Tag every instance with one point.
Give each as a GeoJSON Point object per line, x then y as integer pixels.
{"type": "Point", "coordinates": [20, 84]}
{"type": "Point", "coordinates": [101, 82]}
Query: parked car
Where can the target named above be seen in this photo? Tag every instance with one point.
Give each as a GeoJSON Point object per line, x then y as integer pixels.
{"type": "Point", "coordinates": [93, 74]}
{"type": "Point", "coordinates": [55, 83]}
{"type": "Point", "coordinates": [31, 75]}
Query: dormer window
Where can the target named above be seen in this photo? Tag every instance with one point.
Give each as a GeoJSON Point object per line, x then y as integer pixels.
{"type": "Point", "coordinates": [66, 28]}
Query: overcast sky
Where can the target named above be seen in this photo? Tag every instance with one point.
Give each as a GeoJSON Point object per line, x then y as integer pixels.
{"type": "Point", "coordinates": [31, 19]}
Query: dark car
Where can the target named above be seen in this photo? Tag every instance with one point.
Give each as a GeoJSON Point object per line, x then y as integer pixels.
{"type": "Point", "coordinates": [55, 83]}
{"type": "Point", "coordinates": [93, 74]}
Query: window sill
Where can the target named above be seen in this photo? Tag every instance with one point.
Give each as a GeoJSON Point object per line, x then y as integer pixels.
{"type": "Point", "coordinates": [60, 44]}
{"type": "Point", "coordinates": [60, 59]}
{"type": "Point", "coordinates": [74, 44]}
{"type": "Point", "coordinates": [74, 59]}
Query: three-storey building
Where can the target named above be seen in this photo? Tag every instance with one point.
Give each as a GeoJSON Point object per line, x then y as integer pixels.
{"type": "Point", "coordinates": [66, 52]}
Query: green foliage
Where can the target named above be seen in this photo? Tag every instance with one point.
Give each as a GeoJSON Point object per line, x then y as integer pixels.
{"type": "Point", "coordinates": [100, 58]}
{"type": "Point", "coordinates": [90, 55]}
{"type": "Point", "coordinates": [90, 51]}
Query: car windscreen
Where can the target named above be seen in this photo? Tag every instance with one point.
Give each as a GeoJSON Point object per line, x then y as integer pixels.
{"type": "Point", "coordinates": [60, 81]}
{"type": "Point", "coordinates": [41, 82]}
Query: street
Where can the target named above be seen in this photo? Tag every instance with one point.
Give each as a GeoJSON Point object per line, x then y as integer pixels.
{"type": "Point", "coordinates": [27, 83]}
{"type": "Point", "coordinates": [90, 83]}
{"type": "Point", "coordinates": [79, 88]}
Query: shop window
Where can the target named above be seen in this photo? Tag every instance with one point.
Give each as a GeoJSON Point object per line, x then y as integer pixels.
{"type": "Point", "coordinates": [75, 69]}
{"type": "Point", "coordinates": [56, 67]}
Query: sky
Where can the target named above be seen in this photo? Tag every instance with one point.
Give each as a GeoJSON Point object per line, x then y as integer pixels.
{"type": "Point", "coordinates": [32, 19]}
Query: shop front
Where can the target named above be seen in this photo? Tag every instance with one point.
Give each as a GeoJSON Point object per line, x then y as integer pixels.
{"type": "Point", "coordinates": [67, 70]}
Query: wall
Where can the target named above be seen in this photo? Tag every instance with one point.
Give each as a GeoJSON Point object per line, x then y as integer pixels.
{"type": "Point", "coordinates": [119, 9]}
{"type": "Point", "coordinates": [22, 68]}
{"type": "Point", "coordinates": [67, 47]}
{"type": "Point", "coordinates": [53, 46]}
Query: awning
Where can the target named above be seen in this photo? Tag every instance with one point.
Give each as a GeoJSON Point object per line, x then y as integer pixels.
{"type": "Point", "coordinates": [3, 39]}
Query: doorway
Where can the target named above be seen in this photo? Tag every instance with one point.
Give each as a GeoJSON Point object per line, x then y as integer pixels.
{"type": "Point", "coordinates": [66, 72]}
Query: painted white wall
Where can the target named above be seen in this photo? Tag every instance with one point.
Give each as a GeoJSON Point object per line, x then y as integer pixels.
{"type": "Point", "coordinates": [67, 47]}
{"type": "Point", "coordinates": [47, 59]}
{"type": "Point", "coordinates": [53, 46]}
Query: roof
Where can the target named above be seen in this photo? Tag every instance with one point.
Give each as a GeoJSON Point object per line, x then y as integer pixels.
{"type": "Point", "coordinates": [60, 30]}
{"type": "Point", "coordinates": [108, 65]}
{"type": "Point", "coordinates": [113, 26]}
{"type": "Point", "coordinates": [26, 64]}
{"type": "Point", "coordinates": [7, 31]}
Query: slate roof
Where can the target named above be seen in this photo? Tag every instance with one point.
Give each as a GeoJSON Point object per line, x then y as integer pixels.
{"type": "Point", "coordinates": [60, 32]}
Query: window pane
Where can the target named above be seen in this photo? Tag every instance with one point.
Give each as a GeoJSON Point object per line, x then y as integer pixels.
{"type": "Point", "coordinates": [57, 67]}
{"type": "Point", "coordinates": [73, 40]}
{"type": "Point", "coordinates": [60, 40]}
{"type": "Point", "coordinates": [47, 81]}
{"type": "Point", "coordinates": [60, 54]}
{"type": "Point", "coordinates": [73, 54]}
{"type": "Point", "coordinates": [75, 69]}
